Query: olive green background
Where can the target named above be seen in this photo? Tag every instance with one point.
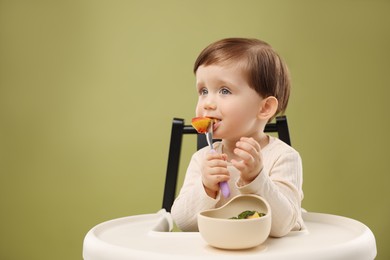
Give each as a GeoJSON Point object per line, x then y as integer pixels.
{"type": "Point", "coordinates": [88, 90]}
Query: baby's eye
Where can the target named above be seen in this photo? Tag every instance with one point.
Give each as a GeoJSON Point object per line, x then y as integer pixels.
{"type": "Point", "coordinates": [203, 91]}
{"type": "Point", "coordinates": [225, 91]}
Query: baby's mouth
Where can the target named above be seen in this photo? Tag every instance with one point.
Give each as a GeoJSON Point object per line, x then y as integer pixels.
{"type": "Point", "coordinates": [216, 123]}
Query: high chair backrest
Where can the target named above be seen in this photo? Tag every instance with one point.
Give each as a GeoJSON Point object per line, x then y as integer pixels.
{"type": "Point", "coordinates": [179, 129]}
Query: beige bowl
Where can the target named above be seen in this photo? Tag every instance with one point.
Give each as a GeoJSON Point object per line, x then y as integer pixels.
{"type": "Point", "coordinates": [219, 231]}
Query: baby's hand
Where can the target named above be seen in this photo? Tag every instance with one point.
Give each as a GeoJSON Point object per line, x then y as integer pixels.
{"type": "Point", "coordinates": [214, 171]}
{"type": "Point", "coordinates": [251, 163]}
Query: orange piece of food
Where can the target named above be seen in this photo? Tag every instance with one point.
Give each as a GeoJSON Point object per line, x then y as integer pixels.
{"type": "Point", "coordinates": [201, 124]}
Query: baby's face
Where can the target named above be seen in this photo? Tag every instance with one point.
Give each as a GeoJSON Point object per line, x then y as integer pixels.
{"type": "Point", "coordinates": [225, 95]}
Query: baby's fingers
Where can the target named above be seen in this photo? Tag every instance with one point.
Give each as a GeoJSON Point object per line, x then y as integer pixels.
{"type": "Point", "coordinates": [244, 155]}
{"type": "Point", "coordinates": [217, 171]}
{"type": "Point", "coordinates": [214, 176]}
{"type": "Point", "coordinates": [216, 163]}
{"type": "Point", "coordinates": [240, 165]}
{"type": "Point", "coordinates": [248, 144]}
{"type": "Point", "coordinates": [215, 156]}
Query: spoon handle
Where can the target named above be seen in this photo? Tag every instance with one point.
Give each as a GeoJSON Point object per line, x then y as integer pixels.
{"type": "Point", "coordinates": [224, 186]}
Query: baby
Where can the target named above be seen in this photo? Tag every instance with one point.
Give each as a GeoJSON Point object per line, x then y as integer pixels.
{"type": "Point", "coordinates": [242, 84]}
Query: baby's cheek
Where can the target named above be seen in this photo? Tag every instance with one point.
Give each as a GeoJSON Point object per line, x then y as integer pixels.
{"type": "Point", "coordinates": [198, 110]}
{"type": "Point", "coordinates": [239, 119]}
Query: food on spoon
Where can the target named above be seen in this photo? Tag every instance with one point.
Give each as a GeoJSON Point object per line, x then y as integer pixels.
{"type": "Point", "coordinates": [201, 124]}
{"type": "Point", "coordinates": [249, 214]}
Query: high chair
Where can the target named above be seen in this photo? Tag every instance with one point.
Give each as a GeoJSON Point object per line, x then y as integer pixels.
{"type": "Point", "coordinates": [149, 236]}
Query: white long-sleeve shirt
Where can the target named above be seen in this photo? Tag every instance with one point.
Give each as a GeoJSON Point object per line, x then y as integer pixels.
{"type": "Point", "coordinates": [279, 182]}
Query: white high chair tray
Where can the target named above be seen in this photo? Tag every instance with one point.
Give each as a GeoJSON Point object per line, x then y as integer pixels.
{"type": "Point", "coordinates": [147, 237]}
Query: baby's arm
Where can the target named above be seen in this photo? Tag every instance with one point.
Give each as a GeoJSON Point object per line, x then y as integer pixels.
{"type": "Point", "coordinates": [281, 185]}
{"type": "Point", "coordinates": [193, 197]}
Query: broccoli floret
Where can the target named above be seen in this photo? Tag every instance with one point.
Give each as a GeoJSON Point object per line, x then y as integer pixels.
{"type": "Point", "coordinates": [245, 214]}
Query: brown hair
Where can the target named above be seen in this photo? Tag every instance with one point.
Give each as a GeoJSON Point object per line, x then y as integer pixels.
{"type": "Point", "coordinates": [267, 73]}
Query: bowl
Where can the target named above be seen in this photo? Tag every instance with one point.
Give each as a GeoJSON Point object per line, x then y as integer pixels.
{"type": "Point", "coordinates": [218, 230]}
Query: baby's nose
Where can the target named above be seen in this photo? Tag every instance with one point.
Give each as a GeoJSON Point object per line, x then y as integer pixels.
{"type": "Point", "coordinates": [210, 105]}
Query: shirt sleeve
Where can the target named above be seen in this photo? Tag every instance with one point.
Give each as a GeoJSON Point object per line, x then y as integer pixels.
{"type": "Point", "coordinates": [281, 185]}
{"type": "Point", "coordinates": [192, 197]}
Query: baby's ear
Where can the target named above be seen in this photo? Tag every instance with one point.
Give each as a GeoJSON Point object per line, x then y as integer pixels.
{"type": "Point", "coordinates": [268, 108]}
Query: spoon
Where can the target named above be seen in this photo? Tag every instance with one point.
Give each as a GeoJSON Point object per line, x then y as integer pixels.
{"type": "Point", "coordinates": [224, 186]}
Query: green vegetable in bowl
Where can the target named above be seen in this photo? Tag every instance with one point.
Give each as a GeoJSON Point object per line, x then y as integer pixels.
{"type": "Point", "coordinates": [249, 214]}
